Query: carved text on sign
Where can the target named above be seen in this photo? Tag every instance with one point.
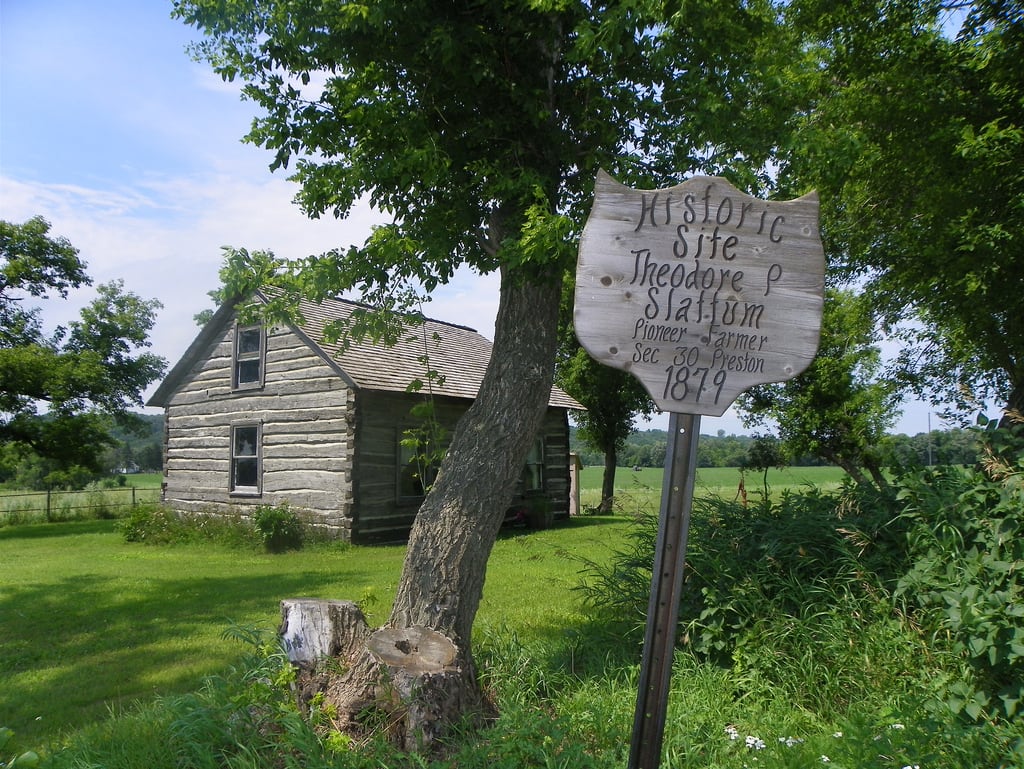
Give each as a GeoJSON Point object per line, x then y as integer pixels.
{"type": "Point", "coordinates": [700, 290]}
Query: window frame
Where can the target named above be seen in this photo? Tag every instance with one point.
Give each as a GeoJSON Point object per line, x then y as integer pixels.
{"type": "Point", "coordinates": [256, 457]}
{"type": "Point", "coordinates": [537, 454]}
{"type": "Point", "coordinates": [240, 358]}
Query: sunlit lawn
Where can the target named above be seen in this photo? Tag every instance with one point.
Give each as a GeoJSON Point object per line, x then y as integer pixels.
{"type": "Point", "coordinates": [88, 621]}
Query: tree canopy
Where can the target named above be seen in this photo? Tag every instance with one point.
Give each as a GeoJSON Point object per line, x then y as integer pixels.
{"type": "Point", "coordinates": [916, 145]}
{"type": "Point", "coordinates": [479, 130]}
{"type": "Point", "coordinates": [83, 375]}
{"type": "Point", "coordinates": [838, 408]}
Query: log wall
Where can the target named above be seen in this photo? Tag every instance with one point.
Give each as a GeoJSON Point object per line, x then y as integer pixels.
{"type": "Point", "coordinates": [379, 513]}
{"type": "Point", "coordinates": [327, 450]}
{"type": "Point", "coordinates": [307, 434]}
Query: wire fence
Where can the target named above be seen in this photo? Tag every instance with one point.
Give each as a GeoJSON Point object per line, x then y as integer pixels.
{"type": "Point", "coordinates": [28, 506]}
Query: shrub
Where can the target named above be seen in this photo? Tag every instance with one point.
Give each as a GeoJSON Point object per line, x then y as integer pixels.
{"type": "Point", "coordinates": [808, 550]}
{"type": "Point", "coordinates": [26, 760]}
{"type": "Point", "coordinates": [278, 527]}
{"type": "Point", "coordinates": [153, 524]}
{"type": "Point", "coordinates": [966, 538]}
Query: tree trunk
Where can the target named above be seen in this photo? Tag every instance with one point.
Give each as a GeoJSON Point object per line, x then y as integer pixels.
{"type": "Point", "coordinates": [419, 669]}
{"type": "Point", "coordinates": [611, 459]}
{"type": "Point", "coordinates": [879, 477]}
{"type": "Point", "coordinates": [1014, 410]}
{"type": "Point", "coordinates": [851, 469]}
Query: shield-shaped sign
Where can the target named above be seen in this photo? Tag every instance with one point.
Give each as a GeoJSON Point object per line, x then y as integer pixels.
{"type": "Point", "coordinates": [699, 290]}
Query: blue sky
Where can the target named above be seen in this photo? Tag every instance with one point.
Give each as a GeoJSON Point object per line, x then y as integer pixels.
{"type": "Point", "coordinates": [133, 152]}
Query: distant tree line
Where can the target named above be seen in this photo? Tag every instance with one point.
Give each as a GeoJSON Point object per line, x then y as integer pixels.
{"type": "Point", "coordinates": [135, 447]}
{"type": "Point", "coordinates": [647, 448]}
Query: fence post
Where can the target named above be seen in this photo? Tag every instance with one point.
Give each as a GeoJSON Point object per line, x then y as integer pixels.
{"type": "Point", "coordinates": [133, 496]}
{"type": "Point", "coordinates": [48, 514]}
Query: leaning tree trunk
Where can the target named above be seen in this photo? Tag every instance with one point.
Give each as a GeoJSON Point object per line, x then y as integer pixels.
{"type": "Point", "coordinates": [416, 674]}
{"type": "Point", "coordinates": [611, 459]}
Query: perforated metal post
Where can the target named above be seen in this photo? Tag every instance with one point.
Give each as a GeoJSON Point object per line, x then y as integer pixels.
{"type": "Point", "coordinates": [666, 586]}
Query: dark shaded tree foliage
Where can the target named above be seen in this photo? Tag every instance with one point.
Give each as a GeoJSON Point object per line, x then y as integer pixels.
{"type": "Point", "coordinates": [479, 129]}
{"type": "Point", "coordinates": [83, 376]}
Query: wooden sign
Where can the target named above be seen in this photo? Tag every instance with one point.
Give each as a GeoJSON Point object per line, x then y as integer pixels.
{"type": "Point", "coordinates": [699, 290]}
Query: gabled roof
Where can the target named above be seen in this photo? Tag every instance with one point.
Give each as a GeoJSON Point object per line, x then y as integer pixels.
{"type": "Point", "coordinates": [457, 353]}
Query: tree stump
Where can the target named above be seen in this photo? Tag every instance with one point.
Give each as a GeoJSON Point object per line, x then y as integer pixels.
{"type": "Point", "coordinates": [313, 630]}
{"type": "Point", "coordinates": [410, 683]}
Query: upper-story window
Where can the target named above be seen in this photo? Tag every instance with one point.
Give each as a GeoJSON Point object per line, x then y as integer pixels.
{"type": "Point", "coordinates": [249, 356]}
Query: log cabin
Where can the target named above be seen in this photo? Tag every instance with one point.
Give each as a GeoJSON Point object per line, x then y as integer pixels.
{"type": "Point", "coordinates": [258, 416]}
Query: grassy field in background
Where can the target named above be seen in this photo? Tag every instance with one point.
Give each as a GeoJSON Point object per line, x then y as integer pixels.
{"type": "Point", "coordinates": [645, 483]}
{"type": "Point", "coordinates": [20, 506]}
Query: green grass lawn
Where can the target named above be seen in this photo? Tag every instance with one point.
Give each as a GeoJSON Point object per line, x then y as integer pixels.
{"type": "Point", "coordinates": [91, 625]}
{"type": "Point", "coordinates": [89, 622]}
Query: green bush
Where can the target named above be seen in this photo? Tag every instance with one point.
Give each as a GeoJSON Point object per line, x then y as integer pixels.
{"type": "Point", "coordinates": [966, 539]}
{"type": "Point", "coordinates": [155, 524]}
{"type": "Point", "coordinates": [25, 760]}
{"type": "Point", "coordinates": [278, 527]}
{"type": "Point", "coordinates": [806, 552]}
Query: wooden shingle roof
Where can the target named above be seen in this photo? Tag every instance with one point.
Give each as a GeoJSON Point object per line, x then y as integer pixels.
{"type": "Point", "coordinates": [457, 353]}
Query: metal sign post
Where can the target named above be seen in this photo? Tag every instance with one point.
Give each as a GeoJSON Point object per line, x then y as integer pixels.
{"type": "Point", "coordinates": [666, 587]}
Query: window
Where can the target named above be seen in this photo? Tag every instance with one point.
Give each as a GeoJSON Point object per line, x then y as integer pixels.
{"type": "Point", "coordinates": [246, 459]}
{"type": "Point", "coordinates": [248, 358]}
{"type": "Point", "coordinates": [533, 473]}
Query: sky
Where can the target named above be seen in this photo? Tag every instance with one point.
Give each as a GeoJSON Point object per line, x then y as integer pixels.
{"type": "Point", "coordinates": [134, 153]}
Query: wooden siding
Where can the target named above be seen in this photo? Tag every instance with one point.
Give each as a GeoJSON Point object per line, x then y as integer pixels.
{"type": "Point", "coordinates": [555, 431]}
{"type": "Point", "coordinates": [307, 434]}
{"type": "Point", "coordinates": [379, 514]}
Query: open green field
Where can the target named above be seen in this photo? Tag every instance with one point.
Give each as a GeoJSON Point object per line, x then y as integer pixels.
{"type": "Point", "coordinates": [645, 482]}
{"type": "Point", "coordinates": [105, 645]}
{"type": "Point", "coordinates": [89, 622]}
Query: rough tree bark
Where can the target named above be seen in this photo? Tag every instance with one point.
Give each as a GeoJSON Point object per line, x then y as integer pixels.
{"type": "Point", "coordinates": [416, 675]}
{"type": "Point", "coordinates": [611, 459]}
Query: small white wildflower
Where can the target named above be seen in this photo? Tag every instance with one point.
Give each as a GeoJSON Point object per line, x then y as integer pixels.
{"type": "Point", "coordinates": [915, 766]}
{"type": "Point", "coordinates": [838, 735]}
{"type": "Point", "coordinates": [733, 732]}
{"type": "Point", "coordinates": [755, 743]}
{"type": "Point", "coordinates": [790, 741]}
{"type": "Point", "coordinates": [826, 760]}
{"type": "Point", "coordinates": [897, 726]}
